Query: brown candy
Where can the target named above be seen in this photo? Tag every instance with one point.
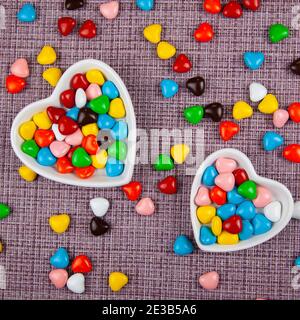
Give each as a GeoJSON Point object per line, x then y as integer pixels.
{"type": "Point", "coordinates": [196, 85]}
{"type": "Point", "coordinates": [86, 116]}
{"type": "Point", "coordinates": [74, 4]}
{"type": "Point", "coordinates": [295, 66]}
{"type": "Point", "coordinates": [98, 226]}
{"type": "Point", "coordinates": [214, 111]}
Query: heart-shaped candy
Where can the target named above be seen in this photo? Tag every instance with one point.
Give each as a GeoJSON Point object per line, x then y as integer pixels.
{"type": "Point", "coordinates": [182, 64]}
{"type": "Point", "coordinates": [55, 113]}
{"type": "Point", "coordinates": [248, 189]}
{"type": "Point", "coordinates": [202, 197]}
{"type": "Point", "coordinates": [59, 223]}
{"type": "Point", "coordinates": [240, 176]}
{"type": "Point", "coordinates": [66, 125]}
{"type": "Point", "coordinates": [295, 66]}
{"type": "Point", "coordinates": [60, 259]}
{"type": "Point", "coordinates": [88, 29]}
{"type": "Point", "coordinates": [67, 98]}
{"type": "Point", "coordinates": [93, 91]}
{"type": "Point", "coordinates": [86, 116]}
{"type": "Point", "coordinates": [81, 264]}
{"type": "Point", "coordinates": [225, 165]}
{"type": "Point", "coordinates": [64, 165]}
{"type": "Point", "coordinates": [242, 110]}
{"type": "Point", "coordinates": [44, 138]}
{"type": "Point", "coordinates": [218, 195]}
{"type": "Point", "coordinates": [99, 226]}
{"type": "Point", "coordinates": [273, 211]}
{"type": "Point", "coordinates": [280, 118]}
{"type": "Point", "coordinates": [294, 111]}
{"type": "Point", "coordinates": [59, 148]}
{"type": "Point", "coordinates": [246, 210]}
{"type": "Point", "coordinates": [214, 111]}
{"type": "Point", "coordinates": [153, 33]}
{"type": "Point", "coordinates": [74, 4]}
{"type": "Point", "coordinates": [14, 84]}
{"type": "Point", "coordinates": [257, 91]}
{"type": "Point", "coordinates": [228, 130]}
{"type": "Point", "coordinates": [261, 224]}
{"type": "Point", "coordinates": [226, 211]}
{"type": "Point", "coordinates": [145, 5]}
{"type": "Point", "coordinates": [278, 32]}
{"type": "Point", "coordinates": [233, 10]}
{"type": "Point", "coordinates": [204, 32]}
{"type": "Point", "coordinates": [209, 280]}
{"type": "Point", "coordinates": [110, 9]}
{"type": "Point", "coordinates": [168, 185]}
{"type": "Point", "coordinates": [292, 153]}
{"type": "Point", "coordinates": [74, 139]}
{"type": "Point", "coordinates": [269, 104]}
{"type": "Point", "coordinates": [132, 190]}
{"type": "Point", "coordinates": [209, 175]}
{"type": "Point", "coordinates": [117, 280]}
{"type": "Point", "coordinates": [66, 25]}
{"type": "Point", "coordinates": [145, 207]}
{"type": "Point", "coordinates": [272, 141]}
{"type": "Point", "coordinates": [206, 213]}
{"type": "Point", "coordinates": [234, 197]}
{"type": "Point", "coordinates": [20, 68]}
{"type": "Point", "coordinates": [212, 6]}
{"type": "Point", "coordinates": [206, 236]}
{"type": "Point", "coordinates": [193, 114]}
{"type": "Point", "coordinates": [247, 231]}
{"type": "Point", "coordinates": [76, 283]}
{"type": "Point", "coordinates": [264, 197]}
{"type": "Point", "coordinates": [47, 55]}
{"type": "Point", "coordinates": [165, 50]}
{"type": "Point", "coordinates": [99, 206]}
{"type": "Point", "coordinates": [169, 88]}
{"type": "Point", "coordinates": [233, 224]}
{"type": "Point", "coordinates": [225, 181]}
{"type": "Point", "coordinates": [81, 158]}
{"type": "Point", "coordinates": [27, 13]}
{"type": "Point", "coordinates": [254, 60]}
{"type": "Point", "coordinates": [58, 277]}
{"type": "Point", "coordinates": [183, 246]}
{"type": "Point", "coordinates": [251, 4]}
{"type": "Point", "coordinates": [196, 85]}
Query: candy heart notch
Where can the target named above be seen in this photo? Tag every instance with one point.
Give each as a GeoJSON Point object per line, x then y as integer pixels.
{"type": "Point", "coordinates": [99, 179]}
{"type": "Point", "coordinates": [279, 194]}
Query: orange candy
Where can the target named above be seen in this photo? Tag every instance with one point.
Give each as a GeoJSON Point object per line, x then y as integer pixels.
{"type": "Point", "coordinates": [14, 84]}
{"type": "Point", "coordinates": [85, 173]}
{"type": "Point", "coordinates": [43, 138]}
{"type": "Point", "coordinates": [89, 143]}
{"type": "Point", "coordinates": [64, 165]}
{"type": "Point", "coordinates": [294, 111]}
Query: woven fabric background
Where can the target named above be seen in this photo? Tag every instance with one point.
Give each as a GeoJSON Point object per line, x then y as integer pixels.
{"type": "Point", "coordinates": [142, 246]}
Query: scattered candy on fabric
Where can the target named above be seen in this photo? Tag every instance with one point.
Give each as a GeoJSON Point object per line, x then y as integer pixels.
{"type": "Point", "coordinates": [145, 5]}
{"type": "Point", "coordinates": [292, 153]}
{"type": "Point", "coordinates": [196, 85]}
{"type": "Point", "coordinates": [232, 10]}
{"type": "Point", "coordinates": [183, 246]}
{"type": "Point", "coordinates": [66, 25]}
{"type": "Point", "coordinates": [20, 68]}
{"type": "Point", "coordinates": [52, 76]}
{"type": "Point", "coordinates": [27, 13]}
{"type": "Point", "coordinates": [27, 174]}
{"type": "Point", "coordinates": [228, 130]}
{"type": "Point", "coordinates": [209, 280]}
{"type": "Point", "coordinates": [278, 32]}
{"type": "Point", "coordinates": [47, 55]}
{"type": "Point", "coordinates": [98, 226]}
{"type": "Point", "coordinates": [165, 50]}
{"type": "Point", "coordinates": [4, 211]}
{"type": "Point", "coordinates": [193, 114]}
{"type": "Point", "coordinates": [59, 223]}
{"type": "Point", "coordinates": [76, 283]}
{"type": "Point", "coordinates": [60, 259]}
{"type": "Point", "coordinates": [110, 9]}
{"type": "Point", "coordinates": [168, 185]}
{"type": "Point", "coordinates": [212, 6]}
{"type": "Point", "coordinates": [182, 64]}
{"type": "Point", "coordinates": [99, 206]}
{"type": "Point", "coordinates": [117, 280]}
{"type": "Point", "coordinates": [294, 111]}
{"type": "Point", "coordinates": [257, 91]}
{"type": "Point", "coordinates": [242, 110]}
{"type": "Point", "coordinates": [81, 264]}
{"type": "Point", "coordinates": [132, 190]}
{"type": "Point", "coordinates": [269, 104]}
{"type": "Point", "coordinates": [145, 207]}
{"type": "Point", "coordinates": [254, 60]}
{"type": "Point", "coordinates": [280, 118]}
{"type": "Point", "coordinates": [204, 32]}
{"type": "Point", "coordinates": [88, 29]}
{"type": "Point", "coordinates": [58, 278]}
{"type": "Point", "coordinates": [272, 141]}
{"type": "Point", "coordinates": [152, 33]}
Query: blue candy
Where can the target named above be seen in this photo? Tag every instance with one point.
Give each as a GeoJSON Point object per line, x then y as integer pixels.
{"type": "Point", "coordinates": [183, 246]}
{"type": "Point", "coordinates": [105, 121]}
{"type": "Point", "coordinates": [73, 113]}
{"type": "Point", "coordinates": [234, 197]}
{"type": "Point", "coordinates": [209, 175]}
{"type": "Point", "coordinates": [206, 236]}
{"type": "Point", "coordinates": [114, 167]}
{"type": "Point", "coordinates": [60, 259]}
{"type": "Point", "coordinates": [109, 89]}
{"type": "Point", "coordinates": [261, 224]}
{"type": "Point", "coordinates": [169, 88]}
{"type": "Point", "coordinates": [247, 231]}
{"type": "Point", "coordinates": [145, 5]}
{"type": "Point", "coordinates": [226, 211]}
{"type": "Point", "coordinates": [27, 13]}
{"type": "Point", "coordinates": [254, 60]}
{"type": "Point", "coordinates": [272, 141]}
{"type": "Point", "coordinates": [297, 262]}
{"type": "Point", "coordinates": [246, 210]}
{"type": "Point", "coordinates": [45, 157]}
{"type": "Point", "coordinates": [119, 130]}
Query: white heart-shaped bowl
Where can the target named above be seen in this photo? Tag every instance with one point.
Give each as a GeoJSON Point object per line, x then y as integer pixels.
{"type": "Point", "coordinates": [99, 179]}
{"type": "Point", "coordinates": [278, 190]}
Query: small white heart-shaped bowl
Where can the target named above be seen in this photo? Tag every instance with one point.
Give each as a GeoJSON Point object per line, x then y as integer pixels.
{"type": "Point", "coordinates": [278, 190]}
{"type": "Point", "coordinates": [99, 179]}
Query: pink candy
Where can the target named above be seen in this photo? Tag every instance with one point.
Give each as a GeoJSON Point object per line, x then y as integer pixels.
{"type": "Point", "coordinates": [58, 277]}
{"type": "Point", "coordinates": [59, 148]}
{"type": "Point", "coordinates": [202, 198]}
{"type": "Point", "coordinates": [110, 9]}
{"type": "Point", "coordinates": [225, 165]}
{"type": "Point", "coordinates": [75, 138]}
{"type": "Point", "coordinates": [93, 91]}
{"type": "Point", "coordinates": [280, 118]}
{"type": "Point", "coordinates": [264, 197]}
{"type": "Point", "coordinates": [225, 181]}
{"type": "Point", "coordinates": [209, 281]}
{"type": "Point", "coordinates": [145, 207]}
{"type": "Point", "coordinates": [20, 68]}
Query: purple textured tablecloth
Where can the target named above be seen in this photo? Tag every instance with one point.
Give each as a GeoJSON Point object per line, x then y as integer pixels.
{"type": "Point", "coordinates": [142, 246]}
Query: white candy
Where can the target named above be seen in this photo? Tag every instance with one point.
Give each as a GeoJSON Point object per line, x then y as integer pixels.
{"type": "Point", "coordinates": [76, 283]}
{"type": "Point", "coordinates": [273, 211]}
{"type": "Point", "coordinates": [58, 135]}
{"type": "Point", "coordinates": [80, 98]}
{"type": "Point", "coordinates": [99, 206]}
{"type": "Point", "coordinates": [257, 91]}
{"type": "Point", "coordinates": [296, 213]}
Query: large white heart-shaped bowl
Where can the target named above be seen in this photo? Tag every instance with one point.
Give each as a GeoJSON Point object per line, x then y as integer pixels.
{"type": "Point", "coordinates": [99, 179]}
{"type": "Point", "coordinates": [278, 190]}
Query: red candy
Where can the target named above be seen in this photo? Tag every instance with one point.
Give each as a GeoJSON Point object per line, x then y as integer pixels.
{"type": "Point", "coordinates": [168, 185]}
{"type": "Point", "coordinates": [132, 190]}
{"type": "Point", "coordinates": [240, 176]}
{"type": "Point", "coordinates": [182, 64]}
{"type": "Point", "coordinates": [89, 143]}
{"type": "Point", "coordinates": [233, 10]}
{"type": "Point", "coordinates": [84, 173]}
{"type": "Point", "coordinates": [294, 111]}
{"type": "Point", "coordinates": [218, 195]}
{"type": "Point", "coordinates": [64, 165]}
{"type": "Point", "coordinates": [67, 126]}
{"type": "Point", "coordinates": [66, 25]}
{"type": "Point", "coordinates": [88, 29]}
{"type": "Point", "coordinates": [79, 80]}
{"type": "Point", "coordinates": [81, 264]}
{"type": "Point", "coordinates": [233, 224]}
{"type": "Point", "coordinates": [204, 33]}
{"type": "Point", "coordinates": [251, 4]}
{"type": "Point", "coordinates": [43, 138]}
{"type": "Point", "coordinates": [212, 6]}
{"type": "Point", "coordinates": [292, 153]}
{"type": "Point", "coordinates": [14, 84]}
{"type": "Point", "coordinates": [55, 113]}
{"type": "Point", "coordinates": [228, 130]}
{"type": "Point", "coordinates": [67, 98]}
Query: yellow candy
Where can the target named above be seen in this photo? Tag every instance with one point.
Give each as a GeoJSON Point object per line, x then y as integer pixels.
{"type": "Point", "coordinates": [42, 120]}
{"type": "Point", "coordinates": [99, 159]}
{"type": "Point", "coordinates": [206, 213]}
{"type": "Point", "coordinates": [242, 110]}
{"type": "Point", "coordinates": [117, 109]}
{"type": "Point", "coordinates": [59, 223]}
{"type": "Point", "coordinates": [269, 104]}
{"type": "Point", "coordinates": [179, 152]}
{"type": "Point", "coordinates": [1, 247]}
{"type": "Point", "coordinates": [152, 33]}
{"type": "Point", "coordinates": [117, 280]}
{"type": "Point", "coordinates": [27, 130]}
{"type": "Point", "coordinates": [95, 76]}
{"type": "Point", "coordinates": [91, 128]}
{"type": "Point", "coordinates": [165, 50]}
{"type": "Point", "coordinates": [52, 75]}
{"type": "Point", "coordinates": [216, 225]}
{"type": "Point", "coordinates": [46, 56]}
{"type": "Point", "coordinates": [228, 238]}
{"type": "Point", "coordinates": [27, 174]}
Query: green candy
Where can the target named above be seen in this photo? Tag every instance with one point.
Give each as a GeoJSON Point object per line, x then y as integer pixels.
{"type": "Point", "coordinates": [81, 159]}
{"type": "Point", "coordinates": [100, 104]}
{"type": "Point", "coordinates": [4, 210]}
{"type": "Point", "coordinates": [248, 190]}
{"type": "Point", "coordinates": [163, 163]}
{"type": "Point", "coordinates": [278, 32]}
{"type": "Point", "coordinates": [193, 114]}
{"type": "Point", "coordinates": [118, 150]}
{"type": "Point", "coordinates": [30, 147]}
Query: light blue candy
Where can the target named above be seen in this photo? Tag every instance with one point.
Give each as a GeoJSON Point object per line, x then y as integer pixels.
{"type": "Point", "coordinates": [261, 224]}
{"type": "Point", "coordinates": [209, 175]}
{"type": "Point", "coordinates": [169, 88]}
{"type": "Point", "coordinates": [119, 130]}
{"type": "Point", "coordinates": [226, 211]}
{"type": "Point", "coordinates": [206, 236]}
{"type": "Point", "coordinates": [105, 121]}
{"type": "Point", "coordinates": [183, 246]}
{"type": "Point", "coordinates": [272, 140]}
{"type": "Point", "coordinates": [145, 5]}
{"type": "Point", "coordinates": [246, 210]}
{"type": "Point", "coordinates": [45, 157]}
{"type": "Point", "coordinates": [254, 60]}
{"type": "Point", "coordinates": [27, 13]}
{"type": "Point", "coordinates": [247, 231]}
{"type": "Point", "coordinates": [234, 197]}
{"type": "Point", "coordinates": [73, 113]}
{"type": "Point", "coordinates": [109, 89]}
{"type": "Point", "coordinates": [60, 259]}
{"type": "Point", "coordinates": [297, 262]}
{"type": "Point", "coordinates": [114, 167]}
